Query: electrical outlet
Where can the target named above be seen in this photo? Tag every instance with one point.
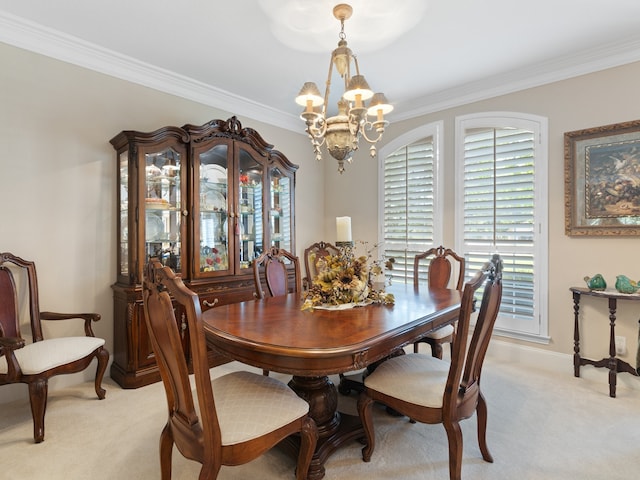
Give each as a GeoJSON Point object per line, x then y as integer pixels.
{"type": "Point", "coordinates": [621, 345]}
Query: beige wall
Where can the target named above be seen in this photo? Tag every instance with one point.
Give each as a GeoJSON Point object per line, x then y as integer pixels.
{"type": "Point", "coordinates": [57, 173]}
{"type": "Point", "coordinates": [597, 99]}
{"type": "Point", "coordinates": [57, 181]}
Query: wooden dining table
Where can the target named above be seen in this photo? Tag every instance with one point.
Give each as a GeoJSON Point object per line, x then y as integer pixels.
{"type": "Point", "coordinates": [275, 334]}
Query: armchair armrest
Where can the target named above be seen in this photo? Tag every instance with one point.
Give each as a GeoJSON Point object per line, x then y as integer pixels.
{"type": "Point", "coordinates": [87, 317]}
{"type": "Point", "coordinates": [11, 343]}
{"type": "Point", "coordinates": [8, 345]}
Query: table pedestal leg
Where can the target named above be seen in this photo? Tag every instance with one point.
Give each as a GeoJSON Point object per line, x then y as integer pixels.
{"type": "Point", "coordinates": [334, 428]}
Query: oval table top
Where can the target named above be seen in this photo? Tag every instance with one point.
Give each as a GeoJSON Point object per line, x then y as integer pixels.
{"type": "Point", "coordinates": [275, 334]}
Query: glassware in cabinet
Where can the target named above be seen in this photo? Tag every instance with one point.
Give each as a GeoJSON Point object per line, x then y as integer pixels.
{"type": "Point", "coordinates": [280, 213]}
{"type": "Point", "coordinates": [123, 204]}
{"type": "Point", "coordinates": [249, 222]}
{"type": "Point", "coordinates": [213, 194]}
{"type": "Point", "coordinates": [163, 214]}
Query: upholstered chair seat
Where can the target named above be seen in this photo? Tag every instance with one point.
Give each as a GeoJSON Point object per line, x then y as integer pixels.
{"type": "Point", "coordinates": [441, 333]}
{"type": "Point", "coordinates": [35, 358]}
{"type": "Point", "coordinates": [240, 398]}
{"type": "Point", "coordinates": [417, 378]}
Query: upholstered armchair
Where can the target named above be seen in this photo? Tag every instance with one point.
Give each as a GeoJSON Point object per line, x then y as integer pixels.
{"type": "Point", "coordinates": [34, 362]}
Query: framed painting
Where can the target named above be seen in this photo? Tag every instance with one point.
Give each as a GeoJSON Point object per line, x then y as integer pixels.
{"type": "Point", "coordinates": [602, 180]}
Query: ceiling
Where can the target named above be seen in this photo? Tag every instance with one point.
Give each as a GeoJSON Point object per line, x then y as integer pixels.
{"type": "Point", "coordinates": [252, 56]}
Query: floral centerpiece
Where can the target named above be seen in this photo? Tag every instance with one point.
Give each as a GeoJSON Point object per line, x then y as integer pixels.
{"type": "Point", "coordinates": [345, 280]}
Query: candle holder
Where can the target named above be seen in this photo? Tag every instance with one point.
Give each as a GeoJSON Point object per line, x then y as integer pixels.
{"type": "Point", "coordinates": [346, 248]}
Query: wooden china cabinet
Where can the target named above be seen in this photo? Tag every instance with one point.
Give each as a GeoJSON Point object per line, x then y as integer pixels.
{"type": "Point", "coordinates": [207, 200]}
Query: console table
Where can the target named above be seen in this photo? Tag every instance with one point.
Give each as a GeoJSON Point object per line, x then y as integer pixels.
{"type": "Point", "coordinates": [614, 364]}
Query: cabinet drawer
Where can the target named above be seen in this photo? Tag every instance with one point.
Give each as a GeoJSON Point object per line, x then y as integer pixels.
{"type": "Point", "coordinates": [216, 298]}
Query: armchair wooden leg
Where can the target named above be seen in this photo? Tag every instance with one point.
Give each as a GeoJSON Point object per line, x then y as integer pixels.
{"type": "Point", "coordinates": [38, 398]}
{"type": "Point", "coordinates": [103, 360]}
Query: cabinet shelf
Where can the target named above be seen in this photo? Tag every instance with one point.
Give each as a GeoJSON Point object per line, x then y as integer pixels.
{"type": "Point", "coordinates": [162, 179]}
{"type": "Point", "coordinates": [213, 210]}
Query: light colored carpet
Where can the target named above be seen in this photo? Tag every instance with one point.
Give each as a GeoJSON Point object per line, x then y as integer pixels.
{"type": "Point", "coordinates": [541, 426]}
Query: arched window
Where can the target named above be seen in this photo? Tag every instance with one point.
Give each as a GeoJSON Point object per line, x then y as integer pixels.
{"type": "Point", "coordinates": [501, 206]}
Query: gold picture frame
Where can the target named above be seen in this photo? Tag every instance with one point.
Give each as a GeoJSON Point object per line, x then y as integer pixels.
{"type": "Point", "coordinates": [602, 180]}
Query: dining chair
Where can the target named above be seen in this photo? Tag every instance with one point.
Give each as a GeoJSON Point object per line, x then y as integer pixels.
{"type": "Point", "coordinates": [36, 361]}
{"type": "Point", "coordinates": [272, 265]}
{"type": "Point", "coordinates": [228, 421]}
{"type": "Point", "coordinates": [430, 390]}
{"type": "Point", "coordinates": [312, 254]}
{"type": "Point", "coordinates": [441, 262]}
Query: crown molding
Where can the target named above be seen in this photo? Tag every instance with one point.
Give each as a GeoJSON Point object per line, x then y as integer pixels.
{"type": "Point", "coordinates": [561, 68]}
{"type": "Point", "coordinates": [37, 38]}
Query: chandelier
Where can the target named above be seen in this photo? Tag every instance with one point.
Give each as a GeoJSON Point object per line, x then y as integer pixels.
{"type": "Point", "coordinates": [341, 133]}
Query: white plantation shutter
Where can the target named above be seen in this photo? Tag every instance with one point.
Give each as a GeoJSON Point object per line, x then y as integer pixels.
{"type": "Point", "coordinates": [500, 208]}
{"type": "Point", "coordinates": [408, 205]}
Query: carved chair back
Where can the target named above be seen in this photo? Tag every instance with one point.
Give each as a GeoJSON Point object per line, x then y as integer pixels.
{"type": "Point", "coordinates": [466, 362]}
{"type": "Point", "coordinates": [192, 435]}
{"type": "Point", "coordinates": [14, 271]}
{"type": "Point", "coordinates": [9, 326]}
{"type": "Point", "coordinates": [441, 261]}
{"type": "Point", "coordinates": [273, 265]}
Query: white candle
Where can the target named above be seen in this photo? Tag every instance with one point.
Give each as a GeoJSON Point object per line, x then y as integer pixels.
{"type": "Point", "coordinates": [343, 229]}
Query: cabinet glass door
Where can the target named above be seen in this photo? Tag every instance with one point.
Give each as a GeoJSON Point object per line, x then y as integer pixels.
{"type": "Point", "coordinates": [213, 227]}
{"type": "Point", "coordinates": [163, 214]}
{"type": "Point", "coordinates": [280, 218]}
{"type": "Point", "coordinates": [249, 223]}
{"type": "Point", "coordinates": [123, 199]}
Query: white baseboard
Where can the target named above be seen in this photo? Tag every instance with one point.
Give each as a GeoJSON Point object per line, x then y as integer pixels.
{"type": "Point", "coordinates": [554, 362]}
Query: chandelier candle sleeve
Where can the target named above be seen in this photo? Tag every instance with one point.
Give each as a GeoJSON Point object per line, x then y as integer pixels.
{"type": "Point", "coordinates": [343, 229]}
